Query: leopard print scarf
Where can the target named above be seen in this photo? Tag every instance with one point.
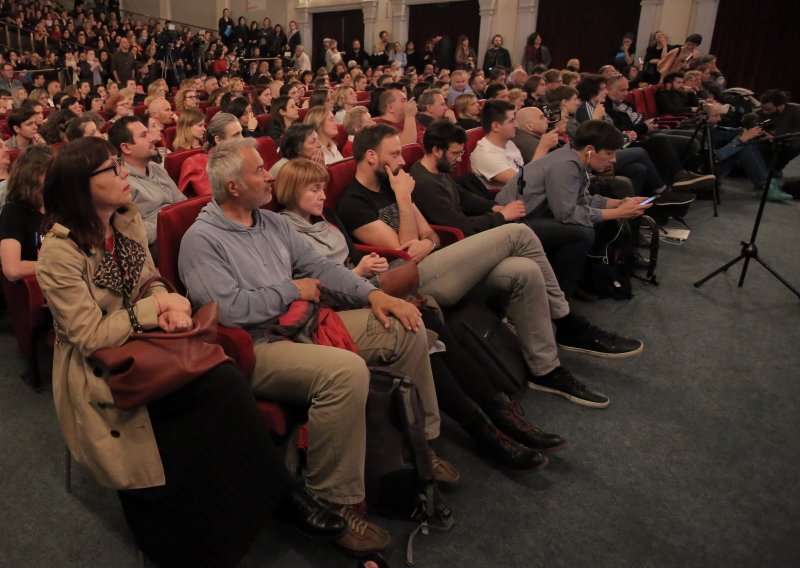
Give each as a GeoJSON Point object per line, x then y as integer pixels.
{"type": "Point", "coordinates": [120, 271]}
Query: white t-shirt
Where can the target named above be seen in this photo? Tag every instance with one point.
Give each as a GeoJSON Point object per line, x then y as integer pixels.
{"type": "Point", "coordinates": [489, 160]}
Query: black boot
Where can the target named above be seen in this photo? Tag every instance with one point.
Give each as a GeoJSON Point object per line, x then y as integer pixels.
{"type": "Point", "coordinates": [499, 447]}
{"type": "Point", "coordinates": [508, 415]}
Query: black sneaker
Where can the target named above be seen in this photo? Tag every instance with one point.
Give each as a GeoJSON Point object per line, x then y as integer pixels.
{"type": "Point", "coordinates": [667, 198]}
{"type": "Point", "coordinates": [562, 383]}
{"type": "Point", "coordinates": [595, 341]}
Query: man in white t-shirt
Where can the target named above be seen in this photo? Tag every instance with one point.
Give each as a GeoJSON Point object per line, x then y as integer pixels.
{"type": "Point", "coordinates": [496, 159]}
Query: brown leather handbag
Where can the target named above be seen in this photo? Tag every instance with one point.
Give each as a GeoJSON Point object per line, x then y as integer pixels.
{"type": "Point", "coordinates": [153, 364]}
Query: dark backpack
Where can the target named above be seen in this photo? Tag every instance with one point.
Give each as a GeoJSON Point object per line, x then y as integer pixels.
{"type": "Point", "coordinates": [610, 267]}
{"type": "Point", "coordinates": [484, 334]}
{"type": "Point", "coordinates": [399, 475]}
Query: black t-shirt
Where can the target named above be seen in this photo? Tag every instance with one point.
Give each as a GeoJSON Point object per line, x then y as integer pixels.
{"type": "Point", "coordinates": [24, 225]}
{"type": "Point", "coordinates": [360, 206]}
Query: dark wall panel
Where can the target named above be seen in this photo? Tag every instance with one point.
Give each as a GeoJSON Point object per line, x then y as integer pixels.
{"type": "Point", "coordinates": [449, 19]}
{"type": "Point", "coordinates": [343, 26]}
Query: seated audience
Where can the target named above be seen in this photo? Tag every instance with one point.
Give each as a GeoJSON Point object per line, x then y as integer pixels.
{"type": "Point", "coordinates": [377, 209]}
{"type": "Point", "coordinates": [344, 98]}
{"type": "Point", "coordinates": [160, 110]}
{"type": "Point", "coordinates": [440, 199]}
{"type": "Point", "coordinates": [154, 453]}
{"type": "Point", "coordinates": [431, 106]}
{"type": "Point", "coordinates": [559, 208]}
{"type": "Point", "coordinates": [261, 99]}
{"type": "Point", "coordinates": [185, 99]}
{"type": "Point", "coordinates": [241, 108]}
{"type": "Point", "coordinates": [120, 104]}
{"type": "Point", "coordinates": [672, 99]}
{"type": "Point", "coordinates": [784, 117]}
{"type": "Point", "coordinates": [216, 263]}
{"type": "Point", "coordinates": [532, 138]}
{"type": "Point", "coordinates": [458, 85]}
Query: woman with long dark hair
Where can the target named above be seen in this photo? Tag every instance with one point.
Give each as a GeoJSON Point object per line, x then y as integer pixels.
{"type": "Point", "coordinates": [535, 53]}
{"type": "Point", "coordinates": [196, 470]}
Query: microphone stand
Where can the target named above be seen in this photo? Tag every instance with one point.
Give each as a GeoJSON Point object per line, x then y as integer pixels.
{"type": "Point", "coordinates": [749, 249]}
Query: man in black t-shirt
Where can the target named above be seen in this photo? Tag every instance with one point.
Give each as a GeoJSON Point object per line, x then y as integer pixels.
{"type": "Point", "coordinates": [377, 209]}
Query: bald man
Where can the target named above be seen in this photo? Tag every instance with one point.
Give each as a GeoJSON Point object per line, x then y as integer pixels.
{"type": "Point", "coordinates": [161, 111]}
{"type": "Point", "coordinates": [532, 137]}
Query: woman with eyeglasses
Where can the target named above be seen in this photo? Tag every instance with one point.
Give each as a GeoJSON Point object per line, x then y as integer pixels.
{"type": "Point", "coordinates": [196, 471]}
{"type": "Point", "coordinates": [120, 105]}
{"type": "Point", "coordinates": [185, 99]}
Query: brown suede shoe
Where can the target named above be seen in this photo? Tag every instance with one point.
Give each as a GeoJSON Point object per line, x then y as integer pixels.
{"type": "Point", "coordinates": [443, 471]}
{"type": "Point", "coordinates": [360, 536]}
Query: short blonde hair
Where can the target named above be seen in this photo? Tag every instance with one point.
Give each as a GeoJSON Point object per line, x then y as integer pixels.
{"type": "Point", "coordinates": [462, 104]}
{"type": "Point", "coordinates": [353, 119]}
{"type": "Point", "coordinates": [316, 116]}
{"type": "Point", "coordinates": [294, 177]}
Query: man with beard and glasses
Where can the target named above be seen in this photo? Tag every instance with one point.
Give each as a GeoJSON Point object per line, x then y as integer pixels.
{"type": "Point", "coordinates": [151, 186]}
{"type": "Point", "coordinates": [440, 199]}
{"type": "Point", "coordinates": [509, 261]}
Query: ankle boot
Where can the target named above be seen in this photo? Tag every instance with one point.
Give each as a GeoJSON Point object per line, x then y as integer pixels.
{"type": "Point", "coordinates": [508, 415]}
{"type": "Point", "coordinates": [499, 447]}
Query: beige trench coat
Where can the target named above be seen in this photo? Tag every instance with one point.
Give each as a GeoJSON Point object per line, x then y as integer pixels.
{"type": "Point", "coordinates": [118, 447]}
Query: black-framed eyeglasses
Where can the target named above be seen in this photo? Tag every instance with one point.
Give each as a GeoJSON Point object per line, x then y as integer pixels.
{"type": "Point", "coordinates": [116, 165]}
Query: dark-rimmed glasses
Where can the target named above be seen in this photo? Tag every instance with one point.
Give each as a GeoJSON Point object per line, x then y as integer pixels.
{"type": "Point", "coordinates": [115, 165]}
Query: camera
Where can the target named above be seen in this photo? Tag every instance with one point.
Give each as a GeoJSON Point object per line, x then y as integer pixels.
{"type": "Point", "coordinates": [553, 115]}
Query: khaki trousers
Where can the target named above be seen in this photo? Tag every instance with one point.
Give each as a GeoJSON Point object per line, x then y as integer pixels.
{"type": "Point", "coordinates": [335, 382]}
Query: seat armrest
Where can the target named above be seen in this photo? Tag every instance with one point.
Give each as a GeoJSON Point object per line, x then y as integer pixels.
{"type": "Point", "coordinates": [448, 235]}
{"type": "Point", "coordinates": [238, 345]}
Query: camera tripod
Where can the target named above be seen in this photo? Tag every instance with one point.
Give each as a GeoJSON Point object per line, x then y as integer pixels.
{"type": "Point", "coordinates": [706, 146]}
{"type": "Point", "coordinates": [749, 249]}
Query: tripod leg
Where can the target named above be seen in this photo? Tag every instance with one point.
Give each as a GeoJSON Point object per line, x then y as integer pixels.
{"type": "Point", "coordinates": [776, 275]}
{"type": "Point", "coordinates": [719, 270]}
{"type": "Point", "coordinates": [744, 271]}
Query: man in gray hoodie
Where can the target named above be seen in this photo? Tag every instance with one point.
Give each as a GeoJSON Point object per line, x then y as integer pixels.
{"type": "Point", "coordinates": [255, 265]}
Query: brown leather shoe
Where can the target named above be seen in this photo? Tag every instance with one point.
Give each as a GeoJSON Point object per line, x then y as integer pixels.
{"type": "Point", "coordinates": [360, 536]}
{"type": "Point", "coordinates": [443, 471]}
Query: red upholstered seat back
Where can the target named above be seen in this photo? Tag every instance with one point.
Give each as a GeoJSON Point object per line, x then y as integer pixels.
{"type": "Point", "coordinates": [173, 221]}
{"type": "Point", "coordinates": [465, 167]}
{"type": "Point", "coordinates": [341, 174]}
{"type": "Point", "coordinates": [341, 137]}
{"type": "Point", "coordinates": [269, 152]}
{"type": "Point", "coordinates": [263, 121]}
{"type": "Point", "coordinates": [412, 153]}
{"type": "Point", "coordinates": [174, 161]}
{"type": "Point", "coordinates": [168, 136]}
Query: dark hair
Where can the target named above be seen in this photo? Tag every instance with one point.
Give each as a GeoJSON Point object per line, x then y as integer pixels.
{"type": "Point", "coordinates": [55, 124]}
{"type": "Point", "coordinates": [551, 75]}
{"type": "Point", "coordinates": [531, 84]}
{"type": "Point", "coordinates": [598, 133]}
{"type": "Point", "coordinates": [493, 89]}
{"type": "Point", "coordinates": [497, 72]}
{"type": "Point", "coordinates": [285, 88]}
{"type": "Point", "coordinates": [293, 140]}
{"type": "Point", "coordinates": [775, 96]}
{"type": "Point", "coordinates": [370, 138]}
{"type": "Point", "coordinates": [696, 39]}
{"type": "Point", "coordinates": [494, 110]}
{"type": "Point", "coordinates": [532, 38]}
{"type": "Point", "coordinates": [441, 133]}
{"type": "Point", "coordinates": [670, 77]}
{"type": "Point", "coordinates": [17, 116]}
{"type": "Point", "coordinates": [225, 102]}
{"type": "Point", "coordinates": [24, 186]}
{"type": "Point", "coordinates": [589, 86]}
{"type": "Point", "coordinates": [67, 194]}
{"type": "Point", "coordinates": [559, 94]}
{"type": "Point", "coordinates": [75, 127]}
{"type": "Point", "coordinates": [119, 133]}
{"type": "Point", "coordinates": [67, 101]}
{"type": "Point", "coordinates": [278, 105]}
{"type": "Point", "coordinates": [237, 106]}
{"type": "Point", "coordinates": [318, 98]}
{"type": "Point", "coordinates": [305, 74]}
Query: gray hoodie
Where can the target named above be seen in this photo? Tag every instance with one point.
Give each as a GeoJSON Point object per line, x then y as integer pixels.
{"type": "Point", "coordinates": [248, 270]}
